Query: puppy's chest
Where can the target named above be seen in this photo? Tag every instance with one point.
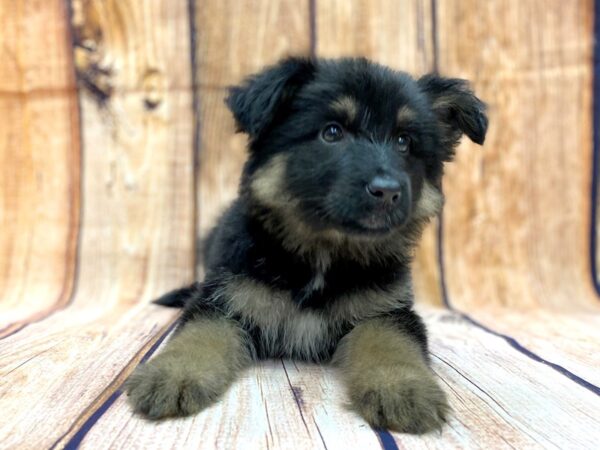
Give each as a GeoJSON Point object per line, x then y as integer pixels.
{"type": "Point", "coordinates": [300, 334]}
{"type": "Point", "coordinates": [319, 283]}
{"type": "Point", "coordinates": [305, 318]}
{"type": "Point", "coordinates": [277, 325]}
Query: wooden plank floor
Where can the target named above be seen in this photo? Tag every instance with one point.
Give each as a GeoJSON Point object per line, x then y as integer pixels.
{"type": "Point", "coordinates": [111, 164]}
{"type": "Point", "coordinates": [500, 397]}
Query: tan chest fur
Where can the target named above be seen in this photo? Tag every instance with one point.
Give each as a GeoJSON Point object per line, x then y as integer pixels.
{"type": "Point", "coordinates": [295, 332]}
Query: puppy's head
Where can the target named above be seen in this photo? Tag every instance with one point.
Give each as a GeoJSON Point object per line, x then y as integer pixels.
{"type": "Point", "coordinates": [349, 145]}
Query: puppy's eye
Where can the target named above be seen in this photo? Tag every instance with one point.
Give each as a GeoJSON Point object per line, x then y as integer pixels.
{"type": "Point", "coordinates": [332, 133]}
{"type": "Point", "coordinates": [403, 143]}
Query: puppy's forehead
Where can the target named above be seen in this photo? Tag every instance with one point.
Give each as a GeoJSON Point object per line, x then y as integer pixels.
{"type": "Point", "coordinates": [397, 111]}
{"type": "Point", "coordinates": [406, 114]}
{"type": "Point", "coordinates": [347, 106]}
{"type": "Point", "coordinates": [355, 86]}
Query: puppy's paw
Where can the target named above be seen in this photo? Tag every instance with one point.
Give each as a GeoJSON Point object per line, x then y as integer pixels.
{"type": "Point", "coordinates": [161, 389]}
{"type": "Point", "coordinates": [401, 399]}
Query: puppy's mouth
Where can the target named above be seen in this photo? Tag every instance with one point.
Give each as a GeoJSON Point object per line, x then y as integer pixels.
{"type": "Point", "coordinates": [375, 225]}
{"type": "Point", "coordinates": [362, 220]}
{"type": "Point", "coordinates": [382, 219]}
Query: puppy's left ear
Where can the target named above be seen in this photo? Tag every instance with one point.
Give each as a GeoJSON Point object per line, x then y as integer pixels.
{"type": "Point", "coordinates": [457, 107]}
{"type": "Point", "coordinates": [257, 101]}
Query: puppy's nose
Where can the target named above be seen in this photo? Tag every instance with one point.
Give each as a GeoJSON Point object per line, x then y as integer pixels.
{"type": "Point", "coordinates": [385, 188]}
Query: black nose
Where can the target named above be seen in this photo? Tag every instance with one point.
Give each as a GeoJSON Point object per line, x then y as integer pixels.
{"type": "Point", "coordinates": [385, 188]}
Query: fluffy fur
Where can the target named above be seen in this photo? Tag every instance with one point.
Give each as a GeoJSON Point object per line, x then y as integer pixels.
{"type": "Point", "coordinates": [388, 381]}
{"type": "Point", "coordinates": [312, 261]}
{"type": "Point", "coordinates": [194, 370]}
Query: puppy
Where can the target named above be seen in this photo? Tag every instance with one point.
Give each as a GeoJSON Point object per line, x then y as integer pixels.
{"type": "Point", "coordinates": [312, 261]}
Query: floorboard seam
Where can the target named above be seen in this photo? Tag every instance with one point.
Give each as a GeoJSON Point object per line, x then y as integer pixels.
{"type": "Point", "coordinates": [77, 437]}
{"type": "Point", "coordinates": [509, 340]}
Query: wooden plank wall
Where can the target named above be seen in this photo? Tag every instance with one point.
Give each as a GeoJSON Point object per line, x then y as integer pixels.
{"type": "Point", "coordinates": [520, 196]}
{"type": "Point", "coordinates": [111, 164]}
{"type": "Point", "coordinates": [134, 201]}
{"type": "Point", "coordinates": [526, 70]}
{"type": "Point", "coordinates": [39, 162]}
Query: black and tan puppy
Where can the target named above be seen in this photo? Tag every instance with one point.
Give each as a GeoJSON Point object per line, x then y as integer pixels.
{"type": "Point", "coordinates": [312, 261]}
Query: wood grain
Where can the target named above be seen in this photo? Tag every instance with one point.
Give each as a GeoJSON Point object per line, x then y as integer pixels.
{"type": "Point", "coordinates": [568, 339]}
{"type": "Point", "coordinates": [39, 162]}
{"type": "Point", "coordinates": [595, 251]}
{"type": "Point", "coordinates": [501, 399]}
{"type": "Point", "coordinates": [137, 234]}
{"type": "Point", "coordinates": [516, 226]}
{"type": "Point", "coordinates": [235, 39]}
{"type": "Point", "coordinates": [400, 35]}
{"type": "Point", "coordinates": [517, 215]}
{"type": "Point", "coordinates": [516, 222]}
{"type": "Point", "coordinates": [137, 144]}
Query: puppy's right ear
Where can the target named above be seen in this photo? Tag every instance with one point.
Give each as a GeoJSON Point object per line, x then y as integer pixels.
{"type": "Point", "coordinates": [256, 102]}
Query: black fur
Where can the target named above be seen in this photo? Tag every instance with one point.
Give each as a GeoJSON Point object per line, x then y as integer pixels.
{"type": "Point", "coordinates": [312, 260]}
{"type": "Point", "coordinates": [255, 103]}
{"type": "Point", "coordinates": [410, 323]}
{"type": "Point", "coordinates": [284, 110]}
{"type": "Point", "coordinates": [178, 297]}
{"type": "Point", "coordinates": [457, 105]}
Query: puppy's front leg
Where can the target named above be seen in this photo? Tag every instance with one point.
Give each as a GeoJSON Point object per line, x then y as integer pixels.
{"type": "Point", "coordinates": [197, 365]}
{"type": "Point", "coordinates": [383, 362]}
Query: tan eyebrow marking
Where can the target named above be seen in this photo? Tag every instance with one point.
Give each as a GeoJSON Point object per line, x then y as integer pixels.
{"type": "Point", "coordinates": [346, 105]}
{"type": "Point", "coordinates": [405, 114]}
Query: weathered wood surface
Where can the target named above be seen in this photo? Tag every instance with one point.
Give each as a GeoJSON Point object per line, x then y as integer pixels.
{"type": "Point", "coordinates": [392, 33]}
{"type": "Point", "coordinates": [137, 218]}
{"type": "Point", "coordinates": [526, 196]}
{"type": "Point", "coordinates": [103, 218]}
{"type": "Point", "coordinates": [39, 162]}
{"type": "Point", "coordinates": [498, 397]}
{"type": "Point", "coordinates": [516, 224]}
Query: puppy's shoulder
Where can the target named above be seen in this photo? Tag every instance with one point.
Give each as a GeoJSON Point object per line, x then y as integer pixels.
{"type": "Point", "coordinates": [227, 244]}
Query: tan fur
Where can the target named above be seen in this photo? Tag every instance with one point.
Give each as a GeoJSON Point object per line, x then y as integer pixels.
{"type": "Point", "coordinates": [405, 115]}
{"type": "Point", "coordinates": [443, 102]}
{"type": "Point", "coordinates": [372, 302]}
{"type": "Point", "coordinates": [267, 187]}
{"type": "Point", "coordinates": [267, 184]}
{"type": "Point", "coordinates": [320, 247]}
{"type": "Point", "coordinates": [299, 332]}
{"type": "Point", "coordinates": [284, 326]}
{"type": "Point", "coordinates": [388, 381]}
{"type": "Point", "coordinates": [430, 203]}
{"type": "Point", "coordinates": [324, 245]}
{"type": "Point", "coordinates": [347, 106]}
{"type": "Point", "coordinates": [195, 368]}
{"type": "Point", "coordinates": [284, 220]}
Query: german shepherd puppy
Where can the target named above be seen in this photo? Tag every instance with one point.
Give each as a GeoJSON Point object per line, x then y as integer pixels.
{"type": "Point", "coordinates": [312, 261]}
